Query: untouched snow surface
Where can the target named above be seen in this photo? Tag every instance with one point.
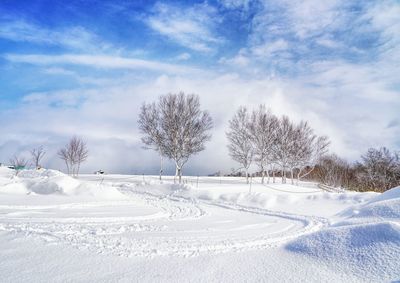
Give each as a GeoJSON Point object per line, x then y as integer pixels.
{"type": "Point", "coordinates": [118, 228]}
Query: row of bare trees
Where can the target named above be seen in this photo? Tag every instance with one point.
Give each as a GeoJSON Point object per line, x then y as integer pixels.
{"type": "Point", "coordinates": [73, 154]}
{"type": "Point", "coordinates": [273, 144]}
{"type": "Point", "coordinates": [175, 127]}
{"type": "Point", "coordinates": [20, 162]}
{"type": "Point", "coordinates": [378, 170]}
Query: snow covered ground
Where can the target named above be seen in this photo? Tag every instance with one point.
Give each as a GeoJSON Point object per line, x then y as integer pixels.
{"type": "Point", "coordinates": [119, 228]}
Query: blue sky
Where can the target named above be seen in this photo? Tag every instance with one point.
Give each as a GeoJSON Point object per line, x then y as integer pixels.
{"type": "Point", "coordinates": [84, 67]}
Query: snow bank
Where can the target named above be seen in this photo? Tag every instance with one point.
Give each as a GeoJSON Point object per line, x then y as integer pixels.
{"type": "Point", "coordinates": [48, 182]}
{"type": "Point", "coordinates": [386, 205]}
{"type": "Point", "coordinates": [367, 237]}
{"type": "Point", "coordinates": [51, 182]}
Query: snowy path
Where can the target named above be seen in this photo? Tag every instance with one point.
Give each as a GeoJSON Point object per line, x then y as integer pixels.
{"type": "Point", "coordinates": [148, 225]}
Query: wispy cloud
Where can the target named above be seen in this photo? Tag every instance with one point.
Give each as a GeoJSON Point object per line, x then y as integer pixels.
{"type": "Point", "coordinates": [235, 4]}
{"type": "Point", "coordinates": [192, 27]}
{"type": "Point", "coordinates": [99, 61]}
{"type": "Point", "coordinates": [75, 37]}
{"type": "Point", "coordinates": [183, 56]}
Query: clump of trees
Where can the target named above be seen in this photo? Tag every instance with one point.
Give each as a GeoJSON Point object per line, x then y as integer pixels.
{"type": "Point", "coordinates": [37, 155]}
{"type": "Point", "coordinates": [273, 144]}
{"type": "Point", "coordinates": [378, 170]}
{"type": "Point", "coordinates": [175, 127]}
{"type": "Point", "coordinates": [74, 154]}
{"type": "Point", "coordinates": [18, 163]}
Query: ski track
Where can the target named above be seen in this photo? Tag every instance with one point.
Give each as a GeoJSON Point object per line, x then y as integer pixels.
{"type": "Point", "coordinates": [180, 228]}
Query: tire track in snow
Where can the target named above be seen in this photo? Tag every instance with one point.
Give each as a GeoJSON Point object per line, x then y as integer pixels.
{"type": "Point", "coordinates": [186, 228]}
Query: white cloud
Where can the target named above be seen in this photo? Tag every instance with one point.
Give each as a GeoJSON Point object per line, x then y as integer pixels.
{"type": "Point", "coordinates": [58, 71]}
{"type": "Point", "coordinates": [192, 27]}
{"type": "Point", "coordinates": [311, 17]}
{"type": "Point", "coordinates": [235, 4]}
{"type": "Point", "coordinates": [99, 61]}
{"type": "Point", "coordinates": [106, 117]}
{"type": "Point", "coordinates": [183, 57]}
{"type": "Point", "coordinates": [269, 48]}
{"type": "Point", "coordinates": [384, 18]}
{"type": "Point", "coordinates": [74, 37]}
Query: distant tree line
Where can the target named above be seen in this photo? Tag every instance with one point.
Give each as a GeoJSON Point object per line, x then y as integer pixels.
{"type": "Point", "coordinates": [378, 170]}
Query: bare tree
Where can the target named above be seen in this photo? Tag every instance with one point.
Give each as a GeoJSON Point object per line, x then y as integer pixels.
{"type": "Point", "coordinates": [333, 171]}
{"type": "Point", "coordinates": [37, 155]}
{"type": "Point", "coordinates": [181, 127]}
{"type": "Point", "coordinates": [263, 127]}
{"type": "Point", "coordinates": [283, 146]}
{"type": "Point", "coordinates": [378, 169]}
{"type": "Point", "coordinates": [150, 126]}
{"type": "Point", "coordinates": [306, 151]}
{"type": "Point", "coordinates": [64, 154]}
{"type": "Point", "coordinates": [74, 154]}
{"type": "Point", "coordinates": [18, 163]}
{"type": "Point", "coordinates": [240, 140]}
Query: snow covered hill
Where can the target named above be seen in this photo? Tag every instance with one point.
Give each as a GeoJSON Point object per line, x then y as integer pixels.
{"type": "Point", "coordinates": [133, 228]}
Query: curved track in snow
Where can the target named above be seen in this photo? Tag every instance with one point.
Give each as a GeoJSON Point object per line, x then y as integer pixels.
{"type": "Point", "coordinates": [150, 225]}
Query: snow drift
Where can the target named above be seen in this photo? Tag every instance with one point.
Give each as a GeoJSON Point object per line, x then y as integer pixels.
{"type": "Point", "coordinates": [366, 237]}
{"type": "Point", "coordinates": [51, 182]}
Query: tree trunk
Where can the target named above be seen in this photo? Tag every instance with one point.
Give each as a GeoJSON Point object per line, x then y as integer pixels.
{"type": "Point", "coordinates": [66, 163]}
{"type": "Point", "coordinates": [305, 174]}
{"type": "Point", "coordinates": [161, 166]}
{"type": "Point", "coordinates": [291, 176]}
{"type": "Point", "coordinates": [262, 175]}
{"type": "Point", "coordinates": [273, 175]}
{"type": "Point", "coordinates": [180, 175]}
{"type": "Point", "coordinates": [176, 173]}
{"type": "Point", "coordinates": [247, 175]}
{"type": "Point", "coordinates": [298, 178]}
{"type": "Point", "coordinates": [267, 176]}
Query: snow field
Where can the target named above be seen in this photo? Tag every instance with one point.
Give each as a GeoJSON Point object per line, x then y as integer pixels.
{"type": "Point", "coordinates": [349, 235]}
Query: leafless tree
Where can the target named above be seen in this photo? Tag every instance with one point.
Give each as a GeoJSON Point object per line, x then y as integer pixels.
{"type": "Point", "coordinates": [378, 169]}
{"type": "Point", "coordinates": [283, 146]}
{"type": "Point", "coordinates": [37, 155]}
{"type": "Point", "coordinates": [74, 154]}
{"type": "Point", "coordinates": [240, 140]}
{"type": "Point", "coordinates": [18, 163]}
{"type": "Point", "coordinates": [263, 127]}
{"type": "Point", "coordinates": [181, 127]}
{"type": "Point", "coordinates": [306, 151]}
{"type": "Point", "coordinates": [65, 155]}
{"type": "Point", "coordinates": [333, 171]}
{"type": "Point", "coordinates": [150, 126]}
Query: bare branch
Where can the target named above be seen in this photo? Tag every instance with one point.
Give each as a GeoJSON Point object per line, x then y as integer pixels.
{"type": "Point", "coordinates": [37, 155]}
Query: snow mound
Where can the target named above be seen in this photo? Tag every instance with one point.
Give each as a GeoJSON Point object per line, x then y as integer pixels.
{"type": "Point", "coordinates": [369, 246]}
{"type": "Point", "coordinates": [390, 194]}
{"type": "Point", "coordinates": [386, 205]}
{"type": "Point", "coordinates": [50, 182]}
{"type": "Point", "coordinates": [368, 236]}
